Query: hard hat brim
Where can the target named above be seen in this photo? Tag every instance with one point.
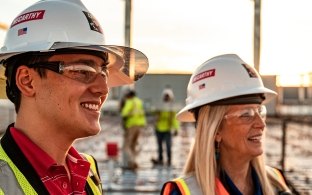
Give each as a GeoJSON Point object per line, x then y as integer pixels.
{"type": "Point", "coordinates": [126, 66]}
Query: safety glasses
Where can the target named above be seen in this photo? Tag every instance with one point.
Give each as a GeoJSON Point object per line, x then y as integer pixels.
{"type": "Point", "coordinates": [248, 115]}
{"type": "Point", "coordinates": [79, 71]}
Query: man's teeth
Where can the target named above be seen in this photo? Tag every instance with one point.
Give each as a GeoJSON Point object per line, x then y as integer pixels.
{"type": "Point", "coordinates": [91, 106]}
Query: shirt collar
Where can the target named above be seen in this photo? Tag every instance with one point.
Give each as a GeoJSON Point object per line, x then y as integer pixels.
{"type": "Point", "coordinates": [41, 161]}
{"type": "Point", "coordinates": [233, 190]}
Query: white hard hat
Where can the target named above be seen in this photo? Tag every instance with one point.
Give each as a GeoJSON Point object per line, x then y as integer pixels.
{"type": "Point", "coordinates": [222, 78]}
{"type": "Point", "coordinates": [168, 92]}
{"type": "Point", "coordinates": [49, 25]}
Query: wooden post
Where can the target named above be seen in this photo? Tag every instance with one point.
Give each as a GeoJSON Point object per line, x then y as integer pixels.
{"type": "Point", "coordinates": [128, 22]}
{"type": "Point", "coordinates": [284, 130]}
{"type": "Point", "coordinates": [257, 34]}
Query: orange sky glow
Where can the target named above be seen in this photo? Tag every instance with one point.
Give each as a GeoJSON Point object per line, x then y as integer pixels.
{"type": "Point", "coordinates": [179, 35]}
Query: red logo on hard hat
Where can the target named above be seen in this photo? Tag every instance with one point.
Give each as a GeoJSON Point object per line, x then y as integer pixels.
{"type": "Point", "coordinates": [203, 75]}
{"type": "Point", "coordinates": [34, 15]}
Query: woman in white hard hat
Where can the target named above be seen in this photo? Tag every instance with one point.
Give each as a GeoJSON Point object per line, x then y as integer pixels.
{"type": "Point", "coordinates": [225, 98]}
{"type": "Point", "coordinates": [58, 73]}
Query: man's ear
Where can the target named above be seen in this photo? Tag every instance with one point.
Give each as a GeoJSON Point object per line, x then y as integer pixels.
{"type": "Point", "coordinates": [24, 81]}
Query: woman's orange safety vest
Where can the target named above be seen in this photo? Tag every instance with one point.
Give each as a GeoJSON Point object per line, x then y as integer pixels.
{"type": "Point", "coordinates": [189, 185]}
{"type": "Point", "coordinates": [184, 188]}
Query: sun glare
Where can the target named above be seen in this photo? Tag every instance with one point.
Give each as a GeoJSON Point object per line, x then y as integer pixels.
{"type": "Point", "coordinates": [294, 80]}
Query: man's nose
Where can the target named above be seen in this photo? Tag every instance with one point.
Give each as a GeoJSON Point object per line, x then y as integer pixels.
{"type": "Point", "coordinates": [99, 85]}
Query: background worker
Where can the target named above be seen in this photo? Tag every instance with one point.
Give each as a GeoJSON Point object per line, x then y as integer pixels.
{"type": "Point", "coordinates": [225, 99]}
{"type": "Point", "coordinates": [133, 115]}
{"type": "Point", "coordinates": [166, 125]}
{"type": "Point", "coordinates": [58, 73]}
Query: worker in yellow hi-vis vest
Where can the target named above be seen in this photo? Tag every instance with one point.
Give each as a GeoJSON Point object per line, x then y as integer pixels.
{"type": "Point", "coordinates": [166, 125]}
{"type": "Point", "coordinates": [134, 120]}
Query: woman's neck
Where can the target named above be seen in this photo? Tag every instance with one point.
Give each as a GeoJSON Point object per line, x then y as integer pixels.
{"type": "Point", "coordinates": [241, 175]}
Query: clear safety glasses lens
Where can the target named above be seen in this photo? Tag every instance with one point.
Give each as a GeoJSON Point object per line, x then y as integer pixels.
{"type": "Point", "coordinates": [248, 114]}
{"type": "Point", "coordinates": [84, 73]}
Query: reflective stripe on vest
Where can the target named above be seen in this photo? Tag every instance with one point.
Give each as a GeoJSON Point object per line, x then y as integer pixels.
{"type": "Point", "coordinates": [12, 181]}
{"type": "Point", "coordinates": [184, 186]}
{"type": "Point", "coordinates": [13, 176]}
{"type": "Point", "coordinates": [93, 179]}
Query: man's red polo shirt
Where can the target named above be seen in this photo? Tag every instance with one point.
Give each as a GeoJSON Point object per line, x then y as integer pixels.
{"type": "Point", "coordinates": [54, 176]}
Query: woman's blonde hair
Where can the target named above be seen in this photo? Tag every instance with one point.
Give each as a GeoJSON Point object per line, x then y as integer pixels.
{"type": "Point", "coordinates": [202, 160]}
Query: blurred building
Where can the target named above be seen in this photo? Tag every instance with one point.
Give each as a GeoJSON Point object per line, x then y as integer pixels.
{"type": "Point", "coordinates": [7, 114]}
{"type": "Point", "coordinates": [295, 99]}
{"type": "Point", "coordinates": [290, 99]}
{"type": "Point", "coordinates": [151, 86]}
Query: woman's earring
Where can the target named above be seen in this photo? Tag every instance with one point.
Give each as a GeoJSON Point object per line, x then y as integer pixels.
{"type": "Point", "coordinates": [217, 150]}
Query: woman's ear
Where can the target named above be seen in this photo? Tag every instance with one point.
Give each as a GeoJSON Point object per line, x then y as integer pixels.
{"type": "Point", "coordinates": [24, 81]}
{"type": "Point", "coordinates": [218, 137]}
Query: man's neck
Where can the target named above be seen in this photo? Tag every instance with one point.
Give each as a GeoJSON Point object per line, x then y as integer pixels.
{"type": "Point", "coordinates": [54, 144]}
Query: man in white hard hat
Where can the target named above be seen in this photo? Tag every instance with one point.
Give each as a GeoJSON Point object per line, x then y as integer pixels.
{"type": "Point", "coordinates": [58, 73]}
{"type": "Point", "coordinates": [166, 124]}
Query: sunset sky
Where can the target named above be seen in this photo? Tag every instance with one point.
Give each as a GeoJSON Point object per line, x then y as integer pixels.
{"type": "Point", "coordinates": [178, 35]}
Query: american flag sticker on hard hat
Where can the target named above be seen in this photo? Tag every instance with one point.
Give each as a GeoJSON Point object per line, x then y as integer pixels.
{"type": "Point", "coordinates": [22, 31]}
{"type": "Point", "coordinates": [202, 86]}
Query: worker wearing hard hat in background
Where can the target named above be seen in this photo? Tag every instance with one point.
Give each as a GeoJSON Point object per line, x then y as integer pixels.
{"type": "Point", "coordinates": [225, 98]}
{"type": "Point", "coordinates": [133, 115]}
{"type": "Point", "coordinates": [58, 73]}
{"type": "Point", "coordinates": [166, 124]}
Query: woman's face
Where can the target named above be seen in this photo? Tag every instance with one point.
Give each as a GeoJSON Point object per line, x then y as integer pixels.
{"type": "Point", "coordinates": [241, 132]}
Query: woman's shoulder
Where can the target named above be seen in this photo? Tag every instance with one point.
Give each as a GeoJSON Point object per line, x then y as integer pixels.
{"type": "Point", "coordinates": [170, 188]}
{"type": "Point", "coordinates": [277, 179]}
{"type": "Point", "coordinates": [185, 183]}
